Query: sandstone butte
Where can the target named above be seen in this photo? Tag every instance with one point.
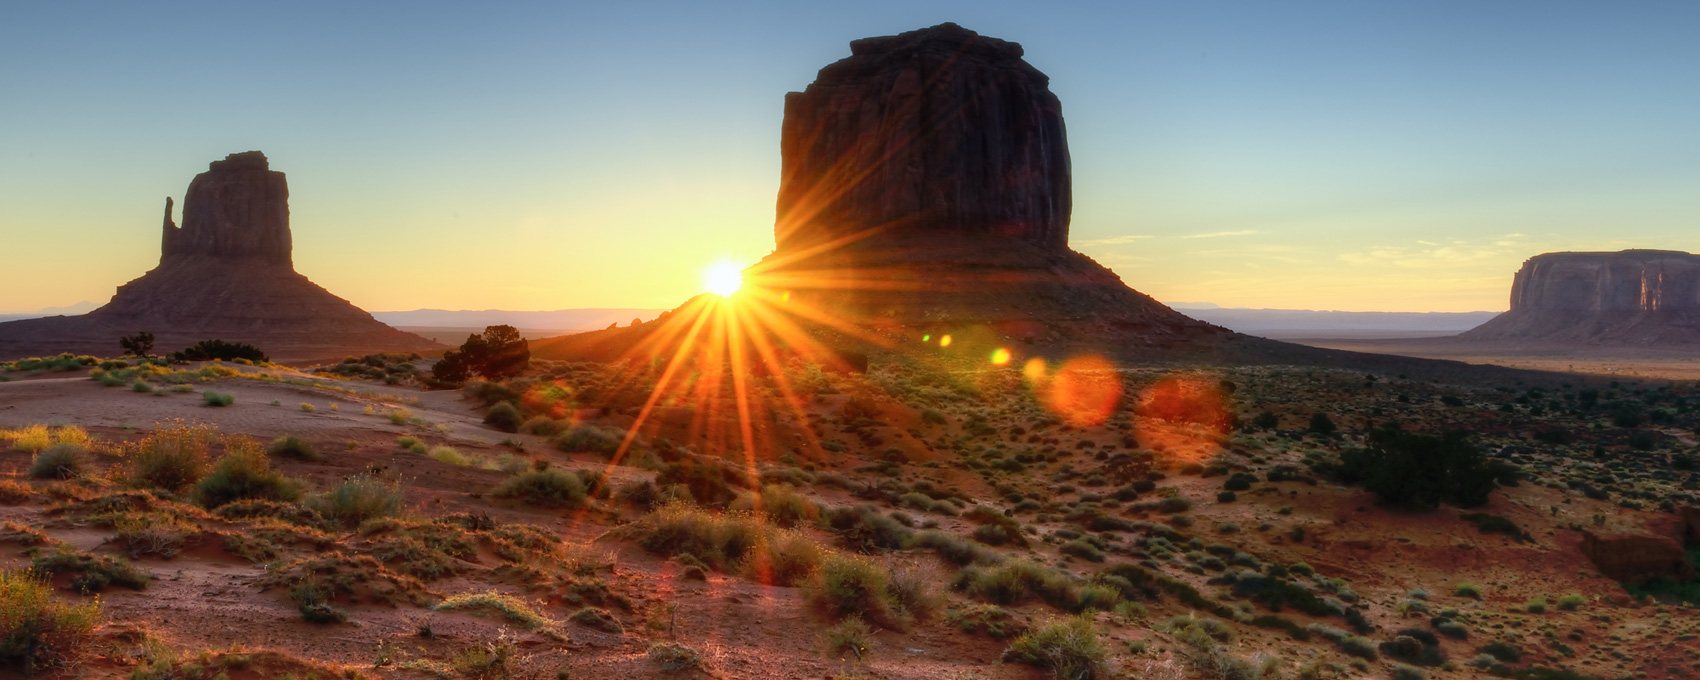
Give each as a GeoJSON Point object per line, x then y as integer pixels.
{"type": "Point", "coordinates": [1630, 298]}
{"type": "Point", "coordinates": [227, 273]}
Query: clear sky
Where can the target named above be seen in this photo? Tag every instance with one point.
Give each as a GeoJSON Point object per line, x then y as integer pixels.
{"type": "Point", "coordinates": [1358, 155]}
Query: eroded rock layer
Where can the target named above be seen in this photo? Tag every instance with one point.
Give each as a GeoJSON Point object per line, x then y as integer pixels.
{"type": "Point", "coordinates": [1630, 298]}
{"type": "Point", "coordinates": [227, 273]}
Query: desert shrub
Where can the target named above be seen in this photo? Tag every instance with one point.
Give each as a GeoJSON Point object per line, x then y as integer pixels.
{"type": "Point", "coordinates": [292, 446]}
{"type": "Point", "coordinates": [852, 585]}
{"type": "Point", "coordinates": [1450, 628]}
{"type": "Point", "coordinates": [955, 549]}
{"type": "Point", "coordinates": [1068, 649]}
{"type": "Point", "coordinates": [850, 635]}
{"type": "Point", "coordinates": [1404, 672]}
{"type": "Point", "coordinates": [725, 540]}
{"type": "Point", "coordinates": [212, 398]}
{"type": "Point", "coordinates": [36, 631]}
{"type": "Point", "coordinates": [245, 473]}
{"type": "Point", "coordinates": [503, 416]}
{"type": "Point", "coordinates": [1421, 471]}
{"type": "Point", "coordinates": [600, 619]}
{"type": "Point", "coordinates": [673, 656]}
{"type": "Point", "coordinates": [219, 350]}
{"type": "Point", "coordinates": [1494, 524]}
{"type": "Point", "coordinates": [1173, 505]}
{"type": "Point", "coordinates": [864, 529]}
{"type": "Point", "coordinates": [551, 487]}
{"type": "Point", "coordinates": [1199, 638]}
{"type": "Point", "coordinates": [589, 438]}
{"type": "Point", "coordinates": [1226, 497]}
{"type": "Point", "coordinates": [59, 461]}
{"type": "Point", "coordinates": [1321, 424]}
{"type": "Point", "coordinates": [1502, 651]}
{"type": "Point", "coordinates": [172, 458]}
{"type": "Point", "coordinates": [1363, 648]}
{"type": "Point", "coordinates": [91, 573]}
{"type": "Point", "coordinates": [13, 492]}
{"type": "Point", "coordinates": [781, 504]}
{"type": "Point", "coordinates": [1571, 602]}
{"type": "Point", "coordinates": [1082, 549]}
{"type": "Point", "coordinates": [356, 500]}
{"type": "Point", "coordinates": [141, 387]}
{"type": "Point", "coordinates": [498, 353]}
{"type": "Point", "coordinates": [1018, 580]}
{"type": "Point", "coordinates": [1469, 590]}
{"type": "Point", "coordinates": [996, 622]}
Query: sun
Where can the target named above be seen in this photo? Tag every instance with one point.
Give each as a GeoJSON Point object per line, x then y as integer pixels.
{"type": "Point", "coordinates": [722, 278]}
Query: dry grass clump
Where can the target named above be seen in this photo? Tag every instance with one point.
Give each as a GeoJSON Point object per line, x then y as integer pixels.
{"type": "Point", "coordinates": [291, 446]}
{"type": "Point", "coordinates": [155, 533]}
{"type": "Point", "coordinates": [504, 606]}
{"type": "Point", "coordinates": [730, 541]}
{"type": "Point", "coordinates": [781, 504]}
{"type": "Point", "coordinates": [1019, 580]}
{"type": "Point", "coordinates": [316, 583]}
{"type": "Point", "coordinates": [36, 631]}
{"type": "Point", "coordinates": [171, 458]}
{"type": "Point", "coordinates": [13, 492]}
{"type": "Point", "coordinates": [1068, 648]}
{"type": "Point", "coordinates": [673, 656]}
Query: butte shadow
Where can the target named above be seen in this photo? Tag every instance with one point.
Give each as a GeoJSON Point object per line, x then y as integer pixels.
{"type": "Point", "coordinates": [227, 273]}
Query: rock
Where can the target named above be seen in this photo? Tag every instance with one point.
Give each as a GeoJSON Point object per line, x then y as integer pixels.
{"type": "Point", "coordinates": [1628, 298]}
{"type": "Point", "coordinates": [239, 207]}
{"type": "Point", "coordinates": [1636, 558]}
{"type": "Point", "coordinates": [228, 274]}
{"type": "Point", "coordinates": [935, 130]}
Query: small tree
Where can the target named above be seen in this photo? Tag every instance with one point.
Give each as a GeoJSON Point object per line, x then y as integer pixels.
{"type": "Point", "coordinates": [499, 352]}
{"type": "Point", "coordinates": [140, 344]}
{"type": "Point", "coordinates": [1321, 424]}
{"type": "Point", "coordinates": [219, 350]}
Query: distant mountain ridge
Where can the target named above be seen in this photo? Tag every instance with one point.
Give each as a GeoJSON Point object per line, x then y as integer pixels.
{"type": "Point", "coordinates": [1306, 323]}
{"type": "Point", "coordinates": [560, 319]}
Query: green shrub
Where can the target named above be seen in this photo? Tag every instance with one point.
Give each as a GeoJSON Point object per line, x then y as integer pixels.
{"type": "Point", "coordinates": [1068, 649]}
{"type": "Point", "coordinates": [849, 635]}
{"type": "Point", "coordinates": [212, 398]}
{"type": "Point", "coordinates": [1082, 549]}
{"type": "Point", "coordinates": [1571, 602]}
{"type": "Point", "coordinates": [1469, 590]}
{"type": "Point", "coordinates": [59, 461]}
{"type": "Point", "coordinates": [358, 499]}
{"type": "Point", "coordinates": [783, 505]}
{"type": "Point", "coordinates": [244, 473]}
{"type": "Point", "coordinates": [589, 438]}
{"type": "Point", "coordinates": [1535, 605]}
{"type": "Point", "coordinates": [1502, 651]}
{"type": "Point", "coordinates": [852, 585]}
{"type": "Point", "coordinates": [551, 487]}
{"type": "Point", "coordinates": [294, 447]}
{"type": "Point", "coordinates": [1421, 471]}
{"type": "Point", "coordinates": [503, 416]}
{"type": "Point", "coordinates": [1174, 504]}
{"type": "Point", "coordinates": [37, 631]}
{"type": "Point", "coordinates": [1018, 580]}
{"type": "Point", "coordinates": [217, 350]}
{"type": "Point", "coordinates": [600, 619]}
{"type": "Point", "coordinates": [504, 606]}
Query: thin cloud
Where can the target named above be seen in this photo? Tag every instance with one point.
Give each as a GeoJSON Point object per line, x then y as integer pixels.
{"type": "Point", "coordinates": [1217, 234]}
{"type": "Point", "coordinates": [1113, 240]}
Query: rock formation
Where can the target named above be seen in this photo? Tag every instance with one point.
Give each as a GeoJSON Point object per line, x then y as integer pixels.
{"type": "Point", "coordinates": [1639, 298]}
{"type": "Point", "coordinates": [935, 130]}
{"type": "Point", "coordinates": [1637, 558]}
{"type": "Point", "coordinates": [925, 181]}
{"type": "Point", "coordinates": [227, 273]}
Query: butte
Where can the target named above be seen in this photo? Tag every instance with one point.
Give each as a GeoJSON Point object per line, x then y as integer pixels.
{"type": "Point", "coordinates": [227, 273]}
{"type": "Point", "coordinates": [1630, 298]}
{"type": "Point", "coordinates": [926, 190]}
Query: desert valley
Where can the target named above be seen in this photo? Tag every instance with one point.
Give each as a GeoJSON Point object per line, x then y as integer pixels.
{"type": "Point", "coordinates": [924, 437]}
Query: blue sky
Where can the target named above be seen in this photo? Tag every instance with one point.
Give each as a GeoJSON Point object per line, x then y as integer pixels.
{"type": "Point", "coordinates": [1324, 155]}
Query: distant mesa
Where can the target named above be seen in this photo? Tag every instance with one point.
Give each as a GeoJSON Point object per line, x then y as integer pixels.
{"type": "Point", "coordinates": [226, 273]}
{"type": "Point", "coordinates": [1630, 298]}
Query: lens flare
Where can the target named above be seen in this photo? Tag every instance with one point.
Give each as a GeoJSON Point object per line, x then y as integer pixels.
{"type": "Point", "coordinates": [722, 278]}
{"type": "Point", "coordinates": [944, 341]}
{"type": "Point", "coordinates": [1000, 356]}
{"type": "Point", "coordinates": [1034, 369]}
{"type": "Point", "coordinates": [1085, 391]}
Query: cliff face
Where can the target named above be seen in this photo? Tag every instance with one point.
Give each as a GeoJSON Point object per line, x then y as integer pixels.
{"type": "Point", "coordinates": [1630, 298]}
{"type": "Point", "coordinates": [238, 208]}
{"type": "Point", "coordinates": [227, 273]}
{"type": "Point", "coordinates": [938, 130]}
